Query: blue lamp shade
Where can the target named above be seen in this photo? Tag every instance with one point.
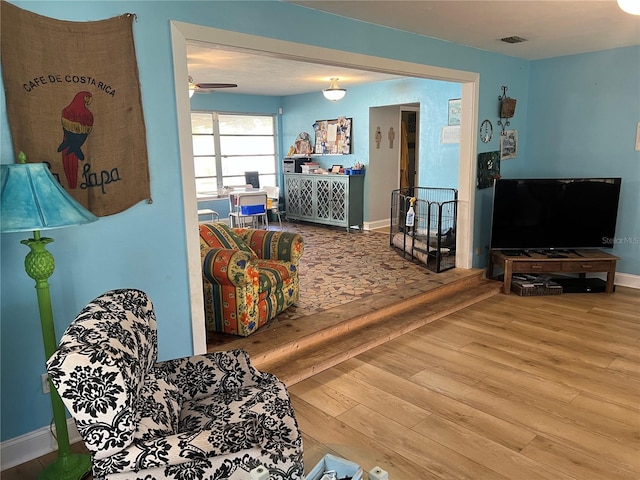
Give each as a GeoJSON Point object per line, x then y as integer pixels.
{"type": "Point", "coordinates": [32, 199]}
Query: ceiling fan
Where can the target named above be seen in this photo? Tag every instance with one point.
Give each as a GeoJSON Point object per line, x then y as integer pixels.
{"type": "Point", "coordinates": [207, 87]}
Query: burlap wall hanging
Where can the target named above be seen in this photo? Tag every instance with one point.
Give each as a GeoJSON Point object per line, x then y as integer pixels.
{"type": "Point", "coordinates": [73, 102]}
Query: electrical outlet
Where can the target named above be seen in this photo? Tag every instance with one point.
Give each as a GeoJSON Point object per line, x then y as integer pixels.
{"type": "Point", "coordinates": [45, 383]}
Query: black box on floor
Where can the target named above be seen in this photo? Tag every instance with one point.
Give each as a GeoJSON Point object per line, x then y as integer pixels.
{"type": "Point", "coordinates": [582, 285]}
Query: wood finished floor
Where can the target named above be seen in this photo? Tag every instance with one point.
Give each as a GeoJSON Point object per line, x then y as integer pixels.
{"type": "Point", "coordinates": [508, 388]}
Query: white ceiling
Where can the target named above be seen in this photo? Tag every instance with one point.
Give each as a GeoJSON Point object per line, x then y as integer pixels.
{"type": "Point", "coordinates": [552, 28]}
{"type": "Point", "coordinates": [265, 75]}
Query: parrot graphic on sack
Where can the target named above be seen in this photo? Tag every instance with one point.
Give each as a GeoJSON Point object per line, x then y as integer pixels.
{"type": "Point", "coordinates": [77, 123]}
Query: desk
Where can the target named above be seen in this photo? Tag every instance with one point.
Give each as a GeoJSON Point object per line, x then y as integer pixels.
{"type": "Point", "coordinates": [579, 261]}
{"type": "Point", "coordinates": [248, 198]}
{"type": "Point", "coordinates": [241, 192]}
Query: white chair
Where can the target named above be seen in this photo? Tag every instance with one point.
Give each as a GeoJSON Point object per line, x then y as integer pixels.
{"type": "Point", "coordinates": [273, 194]}
{"type": "Point", "coordinates": [249, 209]}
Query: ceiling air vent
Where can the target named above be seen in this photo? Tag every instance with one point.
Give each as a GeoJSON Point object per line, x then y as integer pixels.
{"type": "Point", "coordinates": [513, 39]}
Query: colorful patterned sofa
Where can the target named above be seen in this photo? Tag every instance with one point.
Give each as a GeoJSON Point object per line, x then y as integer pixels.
{"type": "Point", "coordinates": [249, 276]}
{"type": "Point", "coordinates": [210, 416]}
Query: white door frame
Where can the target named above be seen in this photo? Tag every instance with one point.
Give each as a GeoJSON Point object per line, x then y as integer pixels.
{"type": "Point", "coordinates": [181, 33]}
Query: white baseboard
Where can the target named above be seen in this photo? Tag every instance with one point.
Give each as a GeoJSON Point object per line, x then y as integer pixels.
{"type": "Point", "coordinates": [625, 280]}
{"type": "Point", "coordinates": [24, 448]}
{"type": "Point", "coordinates": [377, 224]}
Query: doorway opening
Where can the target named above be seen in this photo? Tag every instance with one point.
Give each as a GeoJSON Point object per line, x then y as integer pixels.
{"type": "Point", "coordinates": [409, 149]}
{"type": "Point", "coordinates": [181, 33]}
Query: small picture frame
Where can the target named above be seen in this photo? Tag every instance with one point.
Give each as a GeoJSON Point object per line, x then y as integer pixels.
{"type": "Point", "coordinates": [509, 144]}
{"type": "Point", "coordinates": [455, 105]}
{"type": "Point", "coordinates": [336, 168]}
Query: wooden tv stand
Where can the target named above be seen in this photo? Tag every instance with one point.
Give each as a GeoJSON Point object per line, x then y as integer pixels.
{"type": "Point", "coordinates": [578, 261]}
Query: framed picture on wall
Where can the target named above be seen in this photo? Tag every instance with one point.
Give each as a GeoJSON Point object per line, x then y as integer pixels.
{"type": "Point", "coordinates": [455, 105]}
{"type": "Point", "coordinates": [509, 144]}
{"type": "Point", "coordinates": [488, 169]}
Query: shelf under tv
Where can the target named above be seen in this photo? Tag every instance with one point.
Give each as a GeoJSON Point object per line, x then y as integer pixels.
{"type": "Point", "coordinates": [572, 262]}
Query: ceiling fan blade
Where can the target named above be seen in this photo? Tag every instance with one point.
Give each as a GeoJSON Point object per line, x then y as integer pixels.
{"type": "Point", "coordinates": [206, 86]}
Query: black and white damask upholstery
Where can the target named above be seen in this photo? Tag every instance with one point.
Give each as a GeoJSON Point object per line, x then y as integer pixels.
{"type": "Point", "coordinates": [211, 416]}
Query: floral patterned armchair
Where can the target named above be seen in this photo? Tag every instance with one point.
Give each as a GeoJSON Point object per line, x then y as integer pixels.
{"type": "Point", "coordinates": [249, 276]}
{"type": "Point", "coordinates": [211, 416]}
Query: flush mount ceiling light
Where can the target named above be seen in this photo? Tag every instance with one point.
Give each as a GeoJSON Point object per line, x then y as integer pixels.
{"type": "Point", "coordinates": [630, 6]}
{"type": "Point", "coordinates": [334, 92]}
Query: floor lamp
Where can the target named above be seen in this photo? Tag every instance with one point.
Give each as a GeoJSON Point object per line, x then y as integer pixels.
{"type": "Point", "coordinates": [33, 200]}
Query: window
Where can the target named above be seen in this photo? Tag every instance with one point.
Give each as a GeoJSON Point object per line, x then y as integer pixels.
{"type": "Point", "coordinates": [225, 145]}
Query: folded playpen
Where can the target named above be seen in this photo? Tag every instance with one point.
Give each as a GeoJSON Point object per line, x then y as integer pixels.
{"type": "Point", "coordinates": [432, 238]}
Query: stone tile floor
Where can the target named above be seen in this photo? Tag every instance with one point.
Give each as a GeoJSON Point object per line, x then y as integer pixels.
{"type": "Point", "coordinates": [339, 267]}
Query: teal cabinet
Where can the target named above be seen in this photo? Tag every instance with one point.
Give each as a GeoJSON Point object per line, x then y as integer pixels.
{"type": "Point", "coordinates": [328, 199]}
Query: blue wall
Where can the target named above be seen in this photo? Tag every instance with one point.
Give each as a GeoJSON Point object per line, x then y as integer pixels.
{"type": "Point", "coordinates": [583, 124]}
{"type": "Point", "coordinates": [301, 112]}
{"type": "Point", "coordinates": [438, 162]}
{"type": "Point", "coordinates": [144, 247]}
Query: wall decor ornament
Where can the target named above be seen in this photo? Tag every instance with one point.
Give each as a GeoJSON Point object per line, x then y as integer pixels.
{"type": "Point", "coordinates": [509, 144]}
{"type": "Point", "coordinates": [488, 169]}
{"type": "Point", "coordinates": [68, 104]}
{"type": "Point", "coordinates": [507, 108]}
{"type": "Point", "coordinates": [486, 131]}
{"type": "Point", "coordinates": [303, 144]}
{"type": "Point", "coordinates": [378, 137]}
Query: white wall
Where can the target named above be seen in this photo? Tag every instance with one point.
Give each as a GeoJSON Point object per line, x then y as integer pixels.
{"type": "Point", "coordinates": [383, 170]}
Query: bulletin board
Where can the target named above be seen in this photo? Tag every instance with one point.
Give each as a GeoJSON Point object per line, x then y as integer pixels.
{"type": "Point", "coordinates": [333, 137]}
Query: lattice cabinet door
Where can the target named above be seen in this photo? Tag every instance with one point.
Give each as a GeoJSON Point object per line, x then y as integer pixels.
{"type": "Point", "coordinates": [339, 200]}
{"type": "Point", "coordinates": [323, 198]}
{"type": "Point", "coordinates": [299, 196]}
{"type": "Point", "coordinates": [306, 198]}
{"type": "Point", "coordinates": [292, 195]}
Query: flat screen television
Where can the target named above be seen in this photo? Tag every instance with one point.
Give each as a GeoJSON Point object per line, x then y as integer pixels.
{"type": "Point", "coordinates": [554, 214]}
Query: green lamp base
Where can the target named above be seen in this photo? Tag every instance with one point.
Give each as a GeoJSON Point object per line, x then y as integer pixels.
{"type": "Point", "coordinates": [72, 466]}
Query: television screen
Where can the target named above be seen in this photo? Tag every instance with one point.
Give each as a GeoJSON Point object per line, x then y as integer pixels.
{"type": "Point", "coordinates": [552, 214]}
